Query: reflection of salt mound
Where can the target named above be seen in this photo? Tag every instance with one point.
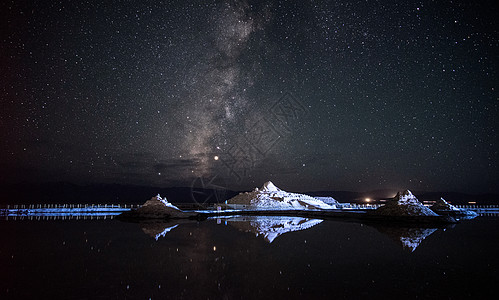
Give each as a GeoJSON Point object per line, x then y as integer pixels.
{"type": "Point", "coordinates": [414, 236]}
{"type": "Point", "coordinates": [408, 237]}
{"type": "Point", "coordinates": [405, 204]}
{"type": "Point", "coordinates": [270, 227]}
{"type": "Point", "coordinates": [157, 230]}
{"type": "Point", "coordinates": [271, 197]}
{"type": "Point", "coordinates": [443, 205]}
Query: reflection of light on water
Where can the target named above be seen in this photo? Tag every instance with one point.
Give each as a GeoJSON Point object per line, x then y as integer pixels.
{"type": "Point", "coordinates": [270, 227]}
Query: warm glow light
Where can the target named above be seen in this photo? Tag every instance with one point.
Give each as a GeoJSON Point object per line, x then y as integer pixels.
{"type": "Point", "coordinates": [216, 157]}
{"type": "Point", "coordinates": [368, 200]}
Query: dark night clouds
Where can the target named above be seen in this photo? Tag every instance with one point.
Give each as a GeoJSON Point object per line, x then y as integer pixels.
{"type": "Point", "coordinates": [379, 94]}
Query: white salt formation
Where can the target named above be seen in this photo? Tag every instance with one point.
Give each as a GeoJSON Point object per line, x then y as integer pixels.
{"type": "Point", "coordinates": [443, 205]}
{"type": "Point", "coordinates": [404, 204]}
{"type": "Point", "coordinates": [328, 200]}
{"type": "Point", "coordinates": [158, 207]}
{"type": "Point", "coordinates": [444, 208]}
{"type": "Point", "coordinates": [158, 203]}
{"type": "Point", "coordinates": [270, 197]}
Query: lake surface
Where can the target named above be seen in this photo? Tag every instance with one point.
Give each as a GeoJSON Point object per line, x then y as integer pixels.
{"type": "Point", "coordinates": [247, 258]}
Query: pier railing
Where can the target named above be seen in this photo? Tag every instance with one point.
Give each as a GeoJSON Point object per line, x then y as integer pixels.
{"type": "Point", "coordinates": [58, 217]}
{"type": "Point", "coordinates": [108, 209]}
{"type": "Point", "coordinates": [69, 210]}
{"type": "Point", "coordinates": [70, 206]}
{"type": "Point", "coordinates": [478, 207]}
{"type": "Point", "coordinates": [358, 206]}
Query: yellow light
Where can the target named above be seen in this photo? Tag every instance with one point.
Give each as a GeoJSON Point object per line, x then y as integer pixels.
{"type": "Point", "coordinates": [368, 200]}
{"type": "Point", "coordinates": [216, 157]}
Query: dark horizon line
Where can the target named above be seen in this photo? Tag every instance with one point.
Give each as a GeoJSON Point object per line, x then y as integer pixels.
{"type": "Point", "coordinates": [103, 184]}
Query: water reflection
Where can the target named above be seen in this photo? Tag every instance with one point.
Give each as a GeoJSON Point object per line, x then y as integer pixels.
{"type": "Point", "coordinates": [408, 237]}
{"type": "Point", "coordinates": [110, 259]}
{"type": "Point", "coordinates": [158, 230]}
{"type": "Point", "coordinates": [270, 227]}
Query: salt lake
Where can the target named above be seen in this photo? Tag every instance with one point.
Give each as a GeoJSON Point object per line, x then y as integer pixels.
{"type": "Point", "coordinates": [247, 258]}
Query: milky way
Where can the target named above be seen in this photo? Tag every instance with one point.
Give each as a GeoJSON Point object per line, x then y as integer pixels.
{"type": "Point", "coordinates": [217, 84]}
{"type": "Point", "coordinates": [337, 95]}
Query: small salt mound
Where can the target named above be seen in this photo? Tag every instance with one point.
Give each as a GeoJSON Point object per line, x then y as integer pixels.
{"type": "Point", "coordinates": [404, 204]}
{"type": "Point", "coordinates": [444, 208]}
{"type": "Point", "coordinates": [159, 206]}
{"type": "Point", "coordinates": [328, 200]}
{"type": "Point", "coordinates": [443, 205]}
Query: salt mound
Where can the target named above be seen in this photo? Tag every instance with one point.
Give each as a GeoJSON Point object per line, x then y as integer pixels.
{"type": "Point", "coordinates": [270, 197]}
{"type": "Point", "coordinates": [328, 200]}
{"type": "Point", "coordinates": [158, 207]}
{"type": "Point", "coordinates": [405, 204]}
{"type": "Point", "coordinates": [443, 205]}
{"type": "Point", "coordinates": [158, 203]}
{"type": "Point", "coordinates": [270, 187]}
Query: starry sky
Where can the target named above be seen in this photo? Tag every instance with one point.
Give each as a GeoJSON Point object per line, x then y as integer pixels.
{"type": "Point", "coordinates": [313, 95]}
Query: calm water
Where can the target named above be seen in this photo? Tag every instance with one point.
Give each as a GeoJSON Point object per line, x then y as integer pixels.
{"type": "Point", "coordinates": [247, 258]}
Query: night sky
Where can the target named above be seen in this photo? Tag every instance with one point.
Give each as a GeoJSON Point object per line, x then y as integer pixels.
{"type": "Point", "coordinates": [313, 95]}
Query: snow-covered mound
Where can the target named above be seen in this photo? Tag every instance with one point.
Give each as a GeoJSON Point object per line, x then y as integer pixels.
{"type": "Point", "coordinates": [443, 205]}
{"type": "Point", "coordinates": [271, 197]}
{"type": "Point", "coordinates": [270, 227]}
{"type": "Point", "coordinates": [404, 204]}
